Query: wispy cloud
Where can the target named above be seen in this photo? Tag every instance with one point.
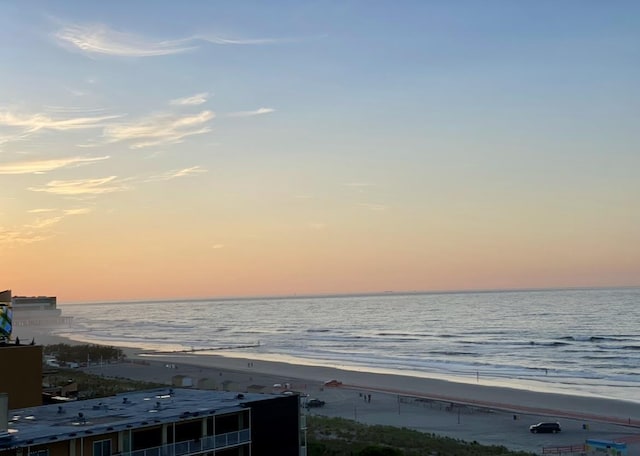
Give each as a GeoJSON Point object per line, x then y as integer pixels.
{"type": "Point", "coordinates": [256, 112]}
{"type": "Point", "coordinates": [45, 223]}
{"type": "Point", "coordinates": [40, 211]}
{"type": "Point", "coordinates": [4, 139]}
{"type": "Point", "coordinates": [194, 100]}
{"type": "Point", "coordinates": [246, 41]}
{"type": "Point", "coordinates": [43, 166]}
{"type": "Point", "coordinates": [83, 186]}
{"type": "Point", "coordinates": [174, 174]}
{"type": "Point", "coordinates": [15, 237]}
{"type": "Point", "coordinates": [159, 129]}
{"type": "Point", "coordinates": [100, 39]}
{"type": "Point", "coordinates": [78, 211]}
{"type": "Point", "coordinates": [35, 122]}
{"type": "Point", "coordinates": [217, 246]}
{"type": "Point", "coordinates": [39, 229]}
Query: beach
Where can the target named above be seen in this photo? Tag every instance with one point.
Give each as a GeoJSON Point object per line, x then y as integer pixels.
{"type": "Point", "coordinates": [515, 339]}
{"type": "Point", "coordinates": [485, 414]}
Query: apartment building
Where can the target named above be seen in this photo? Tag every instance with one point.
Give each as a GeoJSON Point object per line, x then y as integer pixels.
{"type": "Point", "coordinates": [159, 422]}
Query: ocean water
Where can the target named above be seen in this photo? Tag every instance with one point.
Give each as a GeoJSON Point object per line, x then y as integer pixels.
{"type": "Point", "coordinates": [584, 342]}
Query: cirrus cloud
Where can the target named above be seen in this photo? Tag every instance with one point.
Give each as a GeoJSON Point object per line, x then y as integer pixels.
{"type": "Point", "coordinates": [177, 173]}
{"type": "Point", "coordinates": [43, 166]}
{"type": "Point", "coordinates": [159, 129]}
{"type": "Point", "coordinates": [193, 100]}
{"type": "Point", "coordinates": [39, 121]}
{"type": "Point", "coordinates": [83, 186]}
{"type": "Point", "coordinates": [257, 112]}
{"type": "Point", "coordinates": [100, 39]}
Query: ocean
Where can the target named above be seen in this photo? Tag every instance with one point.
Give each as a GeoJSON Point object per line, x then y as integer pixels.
{"type": "Point", "coordinates": [576, 341]}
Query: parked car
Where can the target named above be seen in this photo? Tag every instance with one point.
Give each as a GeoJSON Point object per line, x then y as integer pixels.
{"type": "Point", "coordinates": [545, 427]}
{"type": "Point", "coordinates": [311, 403]}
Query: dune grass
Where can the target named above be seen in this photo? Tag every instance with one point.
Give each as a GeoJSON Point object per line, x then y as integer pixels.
{"type": "Point", "coordinates": [342, 437]}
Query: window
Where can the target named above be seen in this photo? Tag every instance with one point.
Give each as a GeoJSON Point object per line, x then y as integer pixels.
{"type": "Point", "coordinates": [102, 448]}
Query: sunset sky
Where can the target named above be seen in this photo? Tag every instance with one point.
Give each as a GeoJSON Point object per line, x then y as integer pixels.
{"type": "Point", "coordinates": [164, 149]}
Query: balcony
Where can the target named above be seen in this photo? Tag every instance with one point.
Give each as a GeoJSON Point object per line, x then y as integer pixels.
{"type": "Point", "coordinates": [196, 447]}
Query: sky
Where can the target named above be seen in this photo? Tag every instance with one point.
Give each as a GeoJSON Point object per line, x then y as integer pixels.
{"type": "Point", "coordinates": [163, 149]}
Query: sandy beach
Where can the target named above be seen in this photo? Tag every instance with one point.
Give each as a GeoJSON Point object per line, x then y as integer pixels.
{"type": "Point", "coordinates": [472, 412]}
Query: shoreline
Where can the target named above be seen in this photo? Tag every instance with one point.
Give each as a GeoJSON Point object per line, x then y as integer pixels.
{"type": "Point", "coordinates": [535, 384]}
{"type": "Point", "coordinates": [199, 358]}
{"type": "Point", "coordinates": [480, 395]}
{"type": "Point", "coordinates": [490, 415]}
{"type": "Point", "coordinates": [457, 388]}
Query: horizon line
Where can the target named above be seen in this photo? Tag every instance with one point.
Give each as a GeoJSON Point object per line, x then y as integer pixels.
{"type": "Point", "coordinates": [354, 294]}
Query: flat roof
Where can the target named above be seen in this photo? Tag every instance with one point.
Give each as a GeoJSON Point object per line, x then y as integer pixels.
{"type": "Point", "coordinates": [75, 419]}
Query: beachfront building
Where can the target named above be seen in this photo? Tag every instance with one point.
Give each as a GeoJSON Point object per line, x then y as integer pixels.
{"type": "Point", "coordinates": [21, 374]}
{"type": "Point", "coordinates": [41, 311]}
{"type": "Point", "coordinates": [159, 422]}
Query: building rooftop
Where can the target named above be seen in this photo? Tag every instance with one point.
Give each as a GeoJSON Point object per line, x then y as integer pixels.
{"type": "Point", "coordinates": [47, 423]}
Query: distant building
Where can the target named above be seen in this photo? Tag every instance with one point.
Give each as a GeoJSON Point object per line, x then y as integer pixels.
{"type": "Point", "coordinates": [159, 422]}
{"type": "Point", "coordinates": [37, 311]}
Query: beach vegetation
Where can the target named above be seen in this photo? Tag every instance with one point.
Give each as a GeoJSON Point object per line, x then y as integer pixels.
{"type": "Point", "coordinates": [379, 451]}
{"type": "Point", "coordinates": [342, 437]}
{"type": "Point", "coordinates": [86, 353]}
{"type": "Point", "coordinates": [91, 386]}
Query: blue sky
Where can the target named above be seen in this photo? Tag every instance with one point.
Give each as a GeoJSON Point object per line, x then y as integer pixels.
{"type": "Point", "coordinates": [319, 146]}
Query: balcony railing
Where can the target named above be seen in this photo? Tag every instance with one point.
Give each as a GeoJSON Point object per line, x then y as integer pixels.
{"type": "Point", "coordinates": [194, 447]}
